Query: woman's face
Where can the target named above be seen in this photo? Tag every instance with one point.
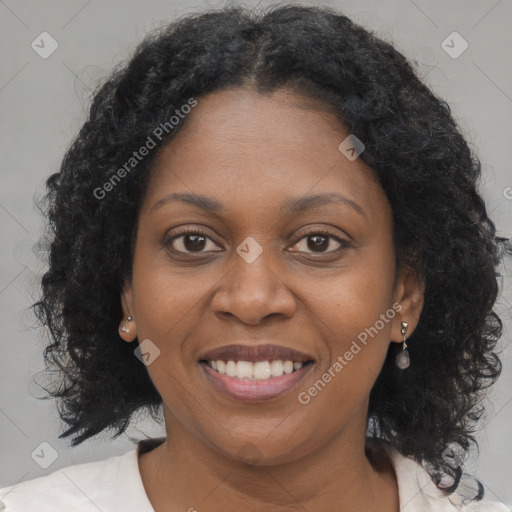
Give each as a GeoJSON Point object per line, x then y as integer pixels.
{"type": "Point", "coordinates": [257, 270]}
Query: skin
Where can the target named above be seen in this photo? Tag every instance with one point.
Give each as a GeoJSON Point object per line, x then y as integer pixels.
{"type": "Point", "coordinates": [251, 152]}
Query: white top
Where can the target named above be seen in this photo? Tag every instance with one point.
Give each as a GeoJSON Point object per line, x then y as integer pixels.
{"type": "Point", "coordinates": [115, 484]}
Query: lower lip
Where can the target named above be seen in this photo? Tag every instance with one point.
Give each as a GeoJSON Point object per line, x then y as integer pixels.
{"type": "Point", "coordinates": [255, 390]}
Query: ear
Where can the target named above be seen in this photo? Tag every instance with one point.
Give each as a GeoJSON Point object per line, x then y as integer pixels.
{"type": "Point", "coordinates": [410, 294]}
{"type": "Point", "coordinates": [130, 332]}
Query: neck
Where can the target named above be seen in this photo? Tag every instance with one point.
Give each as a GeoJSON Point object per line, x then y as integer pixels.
{"type": "Point", "coordinates": [183, 473]}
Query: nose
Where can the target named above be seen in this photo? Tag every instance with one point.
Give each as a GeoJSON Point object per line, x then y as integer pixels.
{"type": "Point", "coordinates": [251, 292]}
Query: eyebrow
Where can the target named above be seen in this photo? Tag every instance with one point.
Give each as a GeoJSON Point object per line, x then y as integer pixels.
{"type": "Point", "coordinates": [290, 206]}
{"type": "Point", "coordinates": [301, 204]}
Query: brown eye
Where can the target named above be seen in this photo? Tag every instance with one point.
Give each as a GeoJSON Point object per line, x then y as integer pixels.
{"type": "Point", "coordinates": [191, 241]}
{"type": "Point", "coordinates": [320, 241]}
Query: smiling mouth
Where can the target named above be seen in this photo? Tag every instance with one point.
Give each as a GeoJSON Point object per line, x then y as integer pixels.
{"type": "Point", "coordinates": [255, 370]}
{"type": "Point", "coordinates": [255, 373]}
{"type": "Point", "coordinates": [252, 381]}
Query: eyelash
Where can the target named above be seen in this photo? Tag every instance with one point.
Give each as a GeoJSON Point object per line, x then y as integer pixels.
{"type": "Point", "coordinates": [325, 232]}
{"type": "Point", "coordinates": [318, 231]}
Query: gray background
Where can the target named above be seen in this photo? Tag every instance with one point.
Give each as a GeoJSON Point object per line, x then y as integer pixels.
{"type": "Point", "coordinates": [43, 103]}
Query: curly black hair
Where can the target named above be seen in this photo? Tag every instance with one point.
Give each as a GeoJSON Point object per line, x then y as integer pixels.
{"type": "Point", "coordinates": [415, 147]}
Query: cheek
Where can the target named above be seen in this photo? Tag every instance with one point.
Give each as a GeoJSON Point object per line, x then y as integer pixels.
{"type": "Point", "coordinates": [357, 331]}
{"type": "Point", "coordinates": [355, 298]}
{"type": "Point", "coordinates": [356, 317]}
{"type": "Point", "coordinates": [166, 299]}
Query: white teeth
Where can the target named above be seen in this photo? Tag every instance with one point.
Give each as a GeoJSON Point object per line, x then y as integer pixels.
{"type": "Point", "coordinates": [259, 370]}
{"type": "Point", "coordinates": [231, 368]}
{"type": "Point", "coordinates": [276, 367]}
{"type": "Point", "coordinates": [244, 369]}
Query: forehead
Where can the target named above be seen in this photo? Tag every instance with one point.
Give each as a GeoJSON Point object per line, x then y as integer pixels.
{"type": "Point", "coordinates": [253, 150]}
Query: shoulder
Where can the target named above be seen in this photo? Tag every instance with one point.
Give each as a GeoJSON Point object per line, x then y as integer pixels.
{"type": "Point", "coordinates": [418, 493]}
{"type": "Point", "coordinates": [109, 485]}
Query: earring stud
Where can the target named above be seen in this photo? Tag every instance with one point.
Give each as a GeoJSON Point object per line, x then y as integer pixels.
{"type": "Point", "coordinates": [403, 359]}
{"type": "Point", "coordinates": [124, 328]}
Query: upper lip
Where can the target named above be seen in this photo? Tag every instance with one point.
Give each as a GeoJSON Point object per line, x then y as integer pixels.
{"type": "Point", "coordinates": [267, 352]}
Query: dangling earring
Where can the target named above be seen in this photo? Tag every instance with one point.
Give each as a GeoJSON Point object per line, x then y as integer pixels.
{"type": "Point", "coordinates": [403, 359]}
{"type": "Point", "coordinates": [124, 328]}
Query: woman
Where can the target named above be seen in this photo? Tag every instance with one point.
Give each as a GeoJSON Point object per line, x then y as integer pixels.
{"type": "Point", "coordinates": [286, 221]}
